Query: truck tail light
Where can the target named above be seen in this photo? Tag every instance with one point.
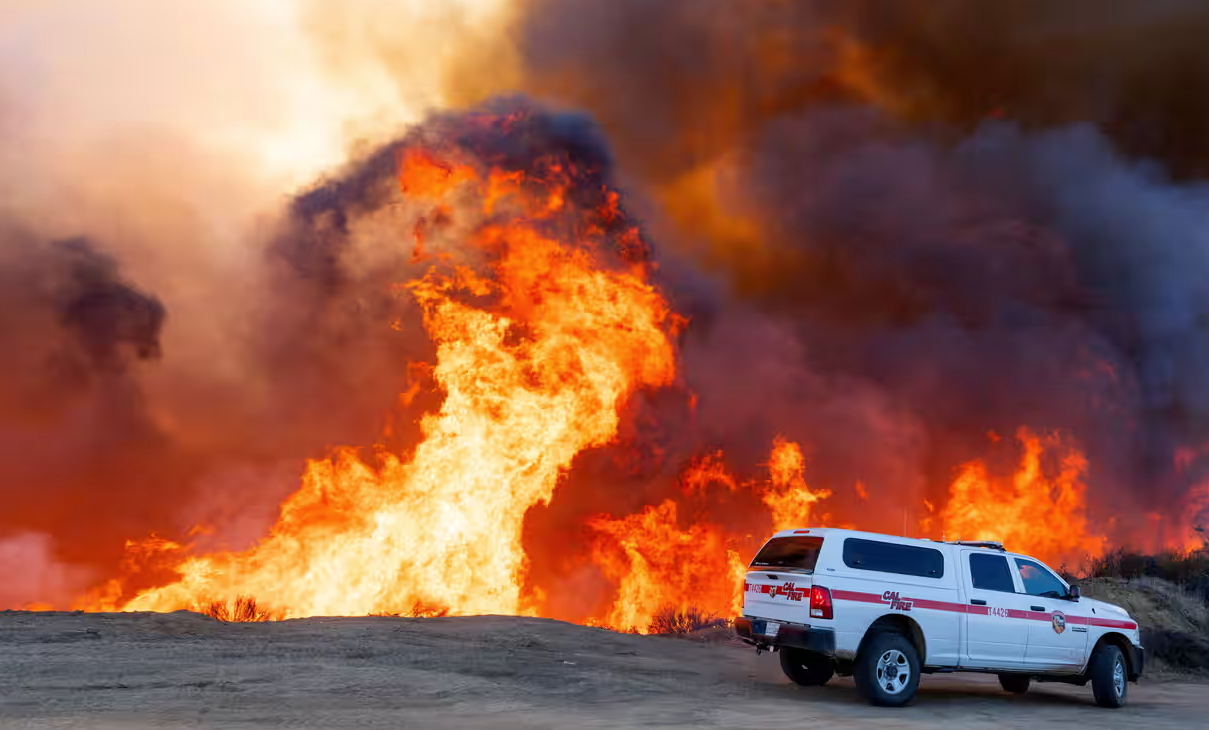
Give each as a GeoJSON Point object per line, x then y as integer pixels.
{"type": "Point", "coordinates": [820, 602]}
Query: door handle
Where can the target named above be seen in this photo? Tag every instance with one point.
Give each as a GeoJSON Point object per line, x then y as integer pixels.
{"type": "Point", "coordinates": [1037, 608]}
{"type": "Point", "coordinates": [978, 602]}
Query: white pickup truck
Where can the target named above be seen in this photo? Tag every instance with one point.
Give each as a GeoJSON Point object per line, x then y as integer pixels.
{"type": "Point", "coordinates": [887, 609]}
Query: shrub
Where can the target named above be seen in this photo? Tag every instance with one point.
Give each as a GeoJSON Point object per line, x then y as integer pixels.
{"type": "Point", "coordinates": [243, 609]}
{"type": "Point", "coordinates": [419, 609]}
{"type": "Point", "coordinates": [671, 620]}
{"type": "Point", "coordinates": [1177, 648]}
{"type": "Point", "coordinates": [1189, 570]}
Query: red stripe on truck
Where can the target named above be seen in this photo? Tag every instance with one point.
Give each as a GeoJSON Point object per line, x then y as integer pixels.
{"type": "Point", "coordinates": [855, 596]}
{"type": "Point", "coordinates": [928, 604]}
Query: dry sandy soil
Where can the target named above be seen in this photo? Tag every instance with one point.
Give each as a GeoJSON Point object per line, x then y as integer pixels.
{"type": "Point", "coordinates": [183, 670]}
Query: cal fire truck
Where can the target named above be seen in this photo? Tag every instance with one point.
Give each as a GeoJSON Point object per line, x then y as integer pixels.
{"type": "Point", "coordinates": [887, 610]}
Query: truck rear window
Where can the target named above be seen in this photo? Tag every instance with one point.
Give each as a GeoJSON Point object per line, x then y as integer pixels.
{"type": "Point", "coordinates": [796, 553]}
{"type": "Point", "coordinates": [889, 557]}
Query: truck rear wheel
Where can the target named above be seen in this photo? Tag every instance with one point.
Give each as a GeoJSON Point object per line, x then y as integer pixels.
{"type": "Point", "coordinates": [807, 668]}
{"type": "Point", "coordinates": [1109, 676]}
{"type": "Point", "coordinates": [1014, 683]}
{"type": "Point", "coordinates": [887, 670]}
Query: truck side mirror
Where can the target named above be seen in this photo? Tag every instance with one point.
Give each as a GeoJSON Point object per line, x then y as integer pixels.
{"type": "Point", "coordinates": [1075, 593]}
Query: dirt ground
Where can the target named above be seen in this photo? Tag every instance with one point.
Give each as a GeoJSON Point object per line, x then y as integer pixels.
{"type": "Point", "coordinates": [106, 671]}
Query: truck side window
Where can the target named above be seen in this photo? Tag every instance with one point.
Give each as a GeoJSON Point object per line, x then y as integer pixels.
{"type": "Point", "coordinates": [1038, 581]}
{"type": "Point", "coordinates": [889, 557]}
{"type": "Point", "coordinates": [991, 573]}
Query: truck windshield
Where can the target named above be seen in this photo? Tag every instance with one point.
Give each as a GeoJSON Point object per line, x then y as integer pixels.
{"type": "Point", "coordinates": [789, 553]}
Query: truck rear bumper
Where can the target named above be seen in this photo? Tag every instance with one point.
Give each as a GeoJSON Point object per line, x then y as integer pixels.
{"type": "Point", "coordinates": [821, 641]}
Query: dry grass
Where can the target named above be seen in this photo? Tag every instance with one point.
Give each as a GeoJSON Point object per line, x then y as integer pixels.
{"type": "Point", "coordinates": [1156, 603]}
{"type": "Point", "coordinates": [418, 610]}
{"type": "Point", "coordinates": [243, 609]}
{"type": "Point", "coordinates": [671, 620]}
{"type": "Point", "coordinates": [1174, 622]}
{"type": "Point", "coordinates": [1188, 570]}
{"type": "Point", "coordinates": [1178, 650]}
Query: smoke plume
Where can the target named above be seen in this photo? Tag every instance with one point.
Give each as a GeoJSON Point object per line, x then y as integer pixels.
{"type": "Point", "coordinates": [898, 236]}
{"type": "Point", "coordinates": [939, 224]}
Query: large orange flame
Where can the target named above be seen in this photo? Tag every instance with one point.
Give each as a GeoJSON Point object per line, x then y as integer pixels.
{"type": "Point", "coordinates": [536, 353]}
{"type": "Point", "coordinates": [788, 497]}
{"type": "Point", "coordinates": [1035, 512]}
{"type": "Point", "coordinates": [662, 567]}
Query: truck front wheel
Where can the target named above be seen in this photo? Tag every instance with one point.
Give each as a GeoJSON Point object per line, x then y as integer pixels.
{"type": "Point", "coordinates": [807, 668]}
{"type": "Point", "coordinates": [887, 670]}
{"type": "Point", "coordinates": [1109, 676]}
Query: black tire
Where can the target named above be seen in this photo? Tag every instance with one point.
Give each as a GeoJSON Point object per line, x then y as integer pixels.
{"type": "Point", "coordinates": [887, 670]}
{"type": "Point", "coordinates": [807, 668]}
{"type": "Point", "coordinates": [1109, 674]}
{"type": "Point", "coordinates": [1015, 683]}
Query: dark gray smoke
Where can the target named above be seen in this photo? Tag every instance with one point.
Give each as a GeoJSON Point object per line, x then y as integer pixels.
{"type": "Point", "coordinates": [75, 334]}
{"type": "Point", "coordinates": [66, 304]}
{"type": "Point", "coordinates": [968, 220]}
{"type": "Point", "coordinates": [677, 81]}
{"type": "Point", "coordinates": [1136, 69]}
{"type": "Point", "coordinates": [109, 319]}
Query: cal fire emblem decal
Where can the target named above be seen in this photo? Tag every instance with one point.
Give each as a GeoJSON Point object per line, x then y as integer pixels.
{"type": "Point", "coordinates": [1059, 621]}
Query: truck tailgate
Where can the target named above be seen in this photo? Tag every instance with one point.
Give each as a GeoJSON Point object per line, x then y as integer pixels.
{"type": "Point", "coordinates": [781, 596]}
